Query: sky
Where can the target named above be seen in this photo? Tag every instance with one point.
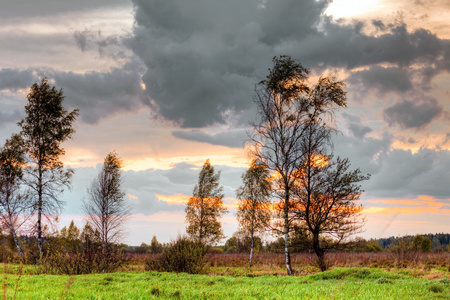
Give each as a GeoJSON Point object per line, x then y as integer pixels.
{"type": "Point", "coordinates": [169, 84]}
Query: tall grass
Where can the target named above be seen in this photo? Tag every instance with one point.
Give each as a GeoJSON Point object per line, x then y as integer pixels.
{"type": "Point", "coordinates": [337, 259]}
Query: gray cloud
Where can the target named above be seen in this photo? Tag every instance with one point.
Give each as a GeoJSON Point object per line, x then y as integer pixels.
{"type": "Point", "coordinates": [396, 172]}
{"type": "Point", "coordinates": [204, 57]}
{"type": "Point", "coordinates": [413, 114]}
{"type": "Point", "coordinates": [111, 45]}
{"type": "Point", "coordinates": [351, 118]}
{"type": "Point", "coordinates": [403, 173]}
{"type": "Point", "coordinates": [382, 79]}
{"type": "Point", "coordinates": [14, 117]}
{"type": "Point", "coordinates": [180, 179]}
{"type": "Point", "coordinates": [96, 94]}
{"type": "Point", "coordinates": [347, 46]}
{"type": "Point", "coordinates": [101, 94]}
{"type": "Point", "coordinates": [14, 79]}
{"type": "Point", "coordinates": [232, 138]}
{"type": "Point", "coordinates": [358, 130]}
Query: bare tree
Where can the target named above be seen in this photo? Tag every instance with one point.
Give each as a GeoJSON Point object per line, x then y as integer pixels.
{"type": "Point", "coordinates": [253, 212]}
{"type": "Point", "coordinates": [15, 206]}
{"type": "Point", "coordinates": [327, 200]}
{"type": "Point", "coordinates": [106, 207]}
{"type": "Point", "coordinates": [205, 207]}
{"type": "Point", "coordinates": [45, 127]}
{"type": "Point", "coordinates": [287, 107]}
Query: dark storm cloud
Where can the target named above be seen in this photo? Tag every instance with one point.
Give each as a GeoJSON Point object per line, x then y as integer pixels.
{"type": "Point", "coordinates": [366, 154]}
{"type": "Point", "coordinates": [232, 138]}
{"type": "Point", "coordinates": [111, 46]}
{"type": "Point", "coordinates": [101, 94]}
{"type": "Point", "coordinates": [27, 9]}
{"type": "Point", "coordinates": [204, 57]}
{"type": "Point", "coordinates": [413, 114]}
{"type": "Point", "coordinates": [347, 46]}
{"type": "Point", "coordinates": [14, 79]}
{"type": "Point", "coordinates": [396, 172]}
{"type": "Point", "coordinates": [382, 79]}
{"type": "Point", "coordinates": [403, 173]}
{"type": "Point", "coordinates": [96, 94]}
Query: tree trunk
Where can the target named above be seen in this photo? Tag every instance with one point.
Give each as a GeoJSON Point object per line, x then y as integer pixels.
{"type": "Point", "coordinates": [105, 236]}
{"type": "Point", "coordinates": [319, 252]}
{"type": "Point", "coordinates": [251, 248]}
{"type": "Point", "coordinates": [13, 232]}
{"type": "Point", "coordinates": [39, 221]}
{"type": "Point", "coordinates": [287, 254]}
{"type": "Point", "coordinates": [286, 235]}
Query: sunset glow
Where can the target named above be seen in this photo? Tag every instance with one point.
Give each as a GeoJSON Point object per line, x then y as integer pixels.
{"type": "Point", "coordinates": [177, 199]}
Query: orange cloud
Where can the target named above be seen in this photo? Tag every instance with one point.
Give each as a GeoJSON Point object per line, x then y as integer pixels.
{"type": "Point", "coordinates": [180, 199]}
{"type": "Point", "coordinates": [399, 210]}
{"type": "Point", "coordinates": [421, 204]}
{"type": "Point", "coordinates": [176, 199]}
{"type": "Point", "coordinates": [132, 196]}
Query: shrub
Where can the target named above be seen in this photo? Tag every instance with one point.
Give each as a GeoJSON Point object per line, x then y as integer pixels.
{"type": "Point", "coordinates": [215, 250]}
{"type": "Point", "coordinates": [383, 280]}
{"type": "Point", "coordinates": [181, 255]}
{"type": "Point", "coordinates": [435, 288]}
{"type": "Point", "coordinates": [89, 260]}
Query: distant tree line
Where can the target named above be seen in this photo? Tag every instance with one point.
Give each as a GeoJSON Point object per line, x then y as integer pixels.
{"type": "Point", "coordinates": [438, 241]}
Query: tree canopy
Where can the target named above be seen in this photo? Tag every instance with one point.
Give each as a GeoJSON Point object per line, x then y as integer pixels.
{"type": "Point", "coordinates": [205, 207]}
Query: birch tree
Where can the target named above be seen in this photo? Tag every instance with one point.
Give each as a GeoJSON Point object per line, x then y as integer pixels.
{"type": "Point", "coordinates": [253, 212]}
{"type": "Point", "coordinates": [205, 208]}
{"type": "Point", "coordinates": [15, 205]}
{"type": "Point", "coordinates": [46, 125]}
{"type": "Point", "coordinates": [287, 107]}
{"type": "Point", "coordinates": [106, 207]}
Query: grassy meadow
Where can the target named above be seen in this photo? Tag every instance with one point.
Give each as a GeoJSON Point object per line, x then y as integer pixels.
{"type": "Point", "coordinates": [224, 279]}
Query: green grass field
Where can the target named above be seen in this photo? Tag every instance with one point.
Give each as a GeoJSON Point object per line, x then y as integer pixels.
{"type": "Point", "coordinates": [340, 283]}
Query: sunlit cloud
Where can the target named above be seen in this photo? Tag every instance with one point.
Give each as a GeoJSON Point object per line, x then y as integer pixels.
{"type": "Point", "coordinates": [180, 199]}
{"type": "Point", "coordinates": [421, 204]}
{"type": "Point", "coordinates": [176, 199]}
{"type": "Point", "coordinates": [132, 196]}
{"type": "Point", "coordinates": [349, 8]}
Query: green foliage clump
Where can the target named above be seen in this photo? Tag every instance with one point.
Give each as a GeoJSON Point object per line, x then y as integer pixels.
{"type": "Point", "coordinates": [215, 250]}
{"type": "Point", "coordinates": [181, 255]}
{"type": "Point", "coordinates": [435, 288]}
{"type": "Point", "coordinates": [73, 253]}
{"type": "Point", "coordinates": [421, 243]}
{"type": "Point", "coordinates": [383, 280]}
{"type": "Point", "coordinates": [373, 246]}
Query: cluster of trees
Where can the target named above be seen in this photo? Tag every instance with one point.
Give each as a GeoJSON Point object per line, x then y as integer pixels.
{"type": "Point", "coordinates": [434, 242]}
{"type": "Point", "coordinates": [32, 175]}
{"type": "Point", "coordinates": [294, 184]}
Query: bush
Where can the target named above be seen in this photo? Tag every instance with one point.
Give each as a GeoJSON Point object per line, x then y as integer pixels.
{"type": "Point", "coordinates": [181, 255]}
{"type": "Point", "coordinates": [213, 250]}
{"type": "Point", "coordinates": [88, 260]}
{"type": "Point", "coordinates": [383, 280]}
{"type": "Point", "coordinates": [435, 288]}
